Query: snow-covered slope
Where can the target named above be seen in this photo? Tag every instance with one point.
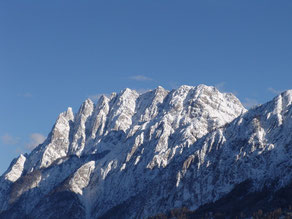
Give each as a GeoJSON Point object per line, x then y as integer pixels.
{"type": "Point", "coordinates": [135, 155]}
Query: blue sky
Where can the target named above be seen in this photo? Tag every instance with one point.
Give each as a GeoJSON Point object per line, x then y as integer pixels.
{"type": "Point", "coordinates": [55, 54]}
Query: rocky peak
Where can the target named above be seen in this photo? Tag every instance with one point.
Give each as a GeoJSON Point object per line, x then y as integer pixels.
{"type": "Point", "coordinates": [85, 109]}
{"type": "Point", "coordinates": [99, 117]}
{"type": "Point", "coordinates": [122, 110]}
{"type": "Point", "coordinates": [79, 131]}
{"type": "Point", "coordinates": [55, 146]}
{"type": "Point", "coordinates": [149, 104]}
{"type": "Point", "coordinates": [68, 115]}
{"type": "Point", "coordinates": [15, 170]}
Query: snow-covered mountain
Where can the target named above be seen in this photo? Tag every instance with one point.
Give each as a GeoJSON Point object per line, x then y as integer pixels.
{"type": "Point", "coordinates": [136, 155]}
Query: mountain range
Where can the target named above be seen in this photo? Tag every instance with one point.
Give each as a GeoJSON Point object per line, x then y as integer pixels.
{"type": "Point", "coordinates": [192, 151]}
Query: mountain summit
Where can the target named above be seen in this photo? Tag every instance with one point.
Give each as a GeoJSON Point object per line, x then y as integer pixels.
{"type": "Point", "coordinates": [135, 155]}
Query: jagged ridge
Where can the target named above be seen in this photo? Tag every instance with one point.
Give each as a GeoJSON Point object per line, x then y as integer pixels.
{"type": "Point", "coordinates": [148, 153]}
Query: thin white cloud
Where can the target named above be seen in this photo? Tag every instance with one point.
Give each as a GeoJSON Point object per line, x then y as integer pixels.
{"type": "Point", "coordinates": [248, 103]}
{"type": "Point", "coordinates": [274, 91]}
{"type": "Point", "coordinates": [35, 140]}
{"type": "Point", "coordinates": [9, 139]}
{"type": "Point", "coordinates": [25, 95]}
{"type": "Point", "coordinates": [140, 78]}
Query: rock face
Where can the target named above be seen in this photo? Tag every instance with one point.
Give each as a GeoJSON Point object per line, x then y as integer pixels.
{"type": "Point", "coordinates": [136, 155]}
